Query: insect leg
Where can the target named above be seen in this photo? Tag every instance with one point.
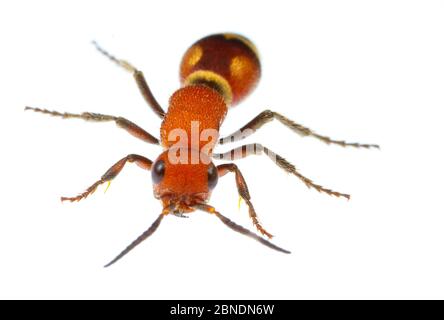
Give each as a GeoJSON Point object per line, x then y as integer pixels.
{"type": "Point", "coordinates": [112, 172]}
{"type": "Point", "coordinates": [123, 123]}
{"type": "Point", "coordinates": [140, 81]}
{"type": "Point", "coordinates": [268, 115]}
{"type": "Point", "coordinates": [258, 149]}
{"type": "Point", "coordinates": [242, 189]}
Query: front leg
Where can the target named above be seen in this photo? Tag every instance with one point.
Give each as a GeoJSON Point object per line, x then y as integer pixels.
{"type": "Point", "coordinates": [112, 172]}
{"type": "Point", "coordinates": [242, 189]}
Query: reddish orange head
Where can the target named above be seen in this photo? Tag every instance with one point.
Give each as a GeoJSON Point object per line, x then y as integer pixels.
{"type": "Point", "coordinates": [183, 178]}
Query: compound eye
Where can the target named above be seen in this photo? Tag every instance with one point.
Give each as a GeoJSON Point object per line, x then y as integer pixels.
{"type": "Point", "coordinates": [213, 176]}
{"type": "Point", "coordinates": [158, 171]}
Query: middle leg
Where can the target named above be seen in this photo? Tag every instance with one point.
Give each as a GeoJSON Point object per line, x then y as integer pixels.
{"type": "Point", "coordinates": [257, 149]}
{"type": "Point", "coordinates": [123, 123]}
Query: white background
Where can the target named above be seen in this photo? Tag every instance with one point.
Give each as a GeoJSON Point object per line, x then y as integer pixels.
{"type": "Point", "coordinates": [368, 71]}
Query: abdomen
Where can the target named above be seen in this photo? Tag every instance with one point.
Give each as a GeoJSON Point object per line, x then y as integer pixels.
{"type": "Point", "coordinates": [227, 62]}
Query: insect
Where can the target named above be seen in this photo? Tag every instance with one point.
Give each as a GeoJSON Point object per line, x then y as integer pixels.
{"type": "Point", "coordinates": [216, 72]}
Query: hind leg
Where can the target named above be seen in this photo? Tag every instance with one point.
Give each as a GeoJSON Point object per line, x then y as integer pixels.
{"type": "Point", "coordinates": [268, 115]}
{"type": "Point", "coordinates": [139, 78]}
